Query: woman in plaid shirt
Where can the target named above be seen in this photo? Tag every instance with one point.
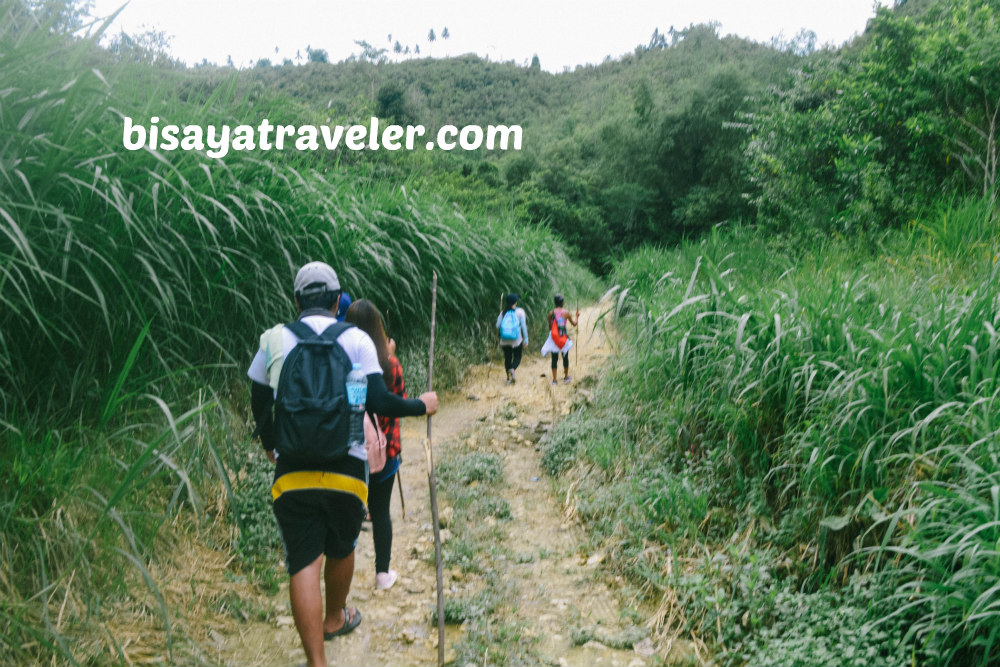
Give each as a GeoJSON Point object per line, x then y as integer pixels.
{"type": "Point", "coordinates": [363, 314]}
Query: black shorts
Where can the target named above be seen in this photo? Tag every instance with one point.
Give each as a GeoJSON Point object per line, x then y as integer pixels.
{"type": "Point", "coordinates": [317, 521]}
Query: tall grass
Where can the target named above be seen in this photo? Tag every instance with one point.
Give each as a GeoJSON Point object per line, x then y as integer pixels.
{"type": "Point", "coordinates": [133, 286]}
{"type": "Point", "coordinates": [100, 242]}
{"type": "Point", "coordinates": [846, 396]}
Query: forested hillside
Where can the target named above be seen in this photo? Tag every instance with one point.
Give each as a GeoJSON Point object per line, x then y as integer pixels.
{"type": "Point", "coordinates": [642, 149]}
{"type": "Point", "coordinates": [694, 129]}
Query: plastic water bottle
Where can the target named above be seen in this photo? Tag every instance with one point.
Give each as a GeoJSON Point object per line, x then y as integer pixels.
{"type": "Point", "coordinates": [357, 394]}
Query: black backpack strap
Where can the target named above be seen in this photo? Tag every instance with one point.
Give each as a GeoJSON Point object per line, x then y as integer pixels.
{"type": "Point", "coordinates": [301, 330]}
{"type": "Point", "coordinates": [332, 332]}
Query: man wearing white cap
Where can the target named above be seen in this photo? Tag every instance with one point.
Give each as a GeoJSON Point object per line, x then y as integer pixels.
{"type": "Point", "coordinates": [320, 506]}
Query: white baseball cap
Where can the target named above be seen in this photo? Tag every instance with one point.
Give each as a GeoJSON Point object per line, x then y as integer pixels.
{"type": "Point", "coordinates": [316, 277]}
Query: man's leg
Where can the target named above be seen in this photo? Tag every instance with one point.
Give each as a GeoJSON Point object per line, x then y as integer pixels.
{"type": "Point", "coordinates": [338, 575]}
{"type": "Point", "coordinates": [307, 610]}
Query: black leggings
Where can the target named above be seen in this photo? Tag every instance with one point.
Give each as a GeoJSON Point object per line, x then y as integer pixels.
{"type": "Point", "coordinates": [555, 360]}
{"type": "Point", "coordinates": [379, 495]}
{"type": "Point", "coordinates": [512, 356]}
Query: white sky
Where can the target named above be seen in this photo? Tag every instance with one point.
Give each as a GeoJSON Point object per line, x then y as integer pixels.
{"type": "Point", "coordinates": [563, 34]}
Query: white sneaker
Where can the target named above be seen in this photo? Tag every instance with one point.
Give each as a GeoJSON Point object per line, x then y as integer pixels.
{"type": "Point", "coordinates": [385, 580]}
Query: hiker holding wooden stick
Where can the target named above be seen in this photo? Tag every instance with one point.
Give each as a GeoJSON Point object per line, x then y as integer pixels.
{"type": "Point", "coordinates": [320, 475]}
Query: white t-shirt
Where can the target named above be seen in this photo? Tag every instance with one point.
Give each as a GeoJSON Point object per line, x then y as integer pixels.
{"type": "Point", "coordinates": [266, 364]}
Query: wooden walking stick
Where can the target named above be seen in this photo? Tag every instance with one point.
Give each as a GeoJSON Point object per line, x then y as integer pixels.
{"type": "Point", "coordinates": [430, 480]}
{"type": "Point", "coordinates": [576, 355]}
{"type": "Point", "coordinates": [489, 372]}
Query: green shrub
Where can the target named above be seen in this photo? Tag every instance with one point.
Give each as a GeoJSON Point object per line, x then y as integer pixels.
{"type": "Point", "coordinates": [472, 467]}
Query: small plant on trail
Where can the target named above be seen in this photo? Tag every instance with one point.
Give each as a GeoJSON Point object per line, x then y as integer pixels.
{"type": "Point", "coordinates": [472, 467]}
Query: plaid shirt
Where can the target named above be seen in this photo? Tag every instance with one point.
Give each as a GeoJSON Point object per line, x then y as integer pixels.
{"type": "Point", "coordinates": [390, 425]}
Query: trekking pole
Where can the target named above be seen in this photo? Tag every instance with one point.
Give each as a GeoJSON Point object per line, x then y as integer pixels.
{"type": "Point", "coordinates": [430, 480]}
{"type": "Point", "coordinates": [489, 373]}
{"type": "Point", "coordinates": [576, 355]}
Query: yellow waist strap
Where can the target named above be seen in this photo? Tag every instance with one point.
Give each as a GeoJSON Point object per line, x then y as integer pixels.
{"type": "Point", "coordinates": [314, 479]}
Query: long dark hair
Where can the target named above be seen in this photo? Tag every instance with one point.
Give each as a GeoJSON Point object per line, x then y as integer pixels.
{"type": "Point", "coordinates": [364, 315]}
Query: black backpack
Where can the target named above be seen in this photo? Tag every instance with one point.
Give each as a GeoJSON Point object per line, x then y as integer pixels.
{"type": "Point", "coordinates": [311, 413]}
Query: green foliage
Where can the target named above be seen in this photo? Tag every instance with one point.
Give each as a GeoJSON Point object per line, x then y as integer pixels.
{"type": "Point", "coordinates": [473, 467]}
{"type": "Point", "coordinates": [561, 446]}
{"type": "Point", "coordinates": [762, 620]}
{"type": "Point", "coordinates": [317, 55]}
{"type": "Point", "coordinates": [695, 129]}
{"type": "Point", "coordinates": [201, 248]}
{"type": "Point", "coordinates": [833, 407]}
{"type": "Point", "coordinates": [653, 153]}
{"type": "Point", "coordinates": [945, 583]}
{"type": "Point", "coordinates": [961, 231]}
{"type": "Point", "coordinates": [648, 148]}
{"type": "Point", "coordinates": [133, 286]}
{"type": "Point", "coordinates": [258, 540]}
{"type": "Point", "coordinates": [458, 611]}
{"type": "Point", "coordinates": [877, 131]}
{"type": "Point", "coordinates": [623, 640]}
{"type": "Point", "coordinates": [391, 104]}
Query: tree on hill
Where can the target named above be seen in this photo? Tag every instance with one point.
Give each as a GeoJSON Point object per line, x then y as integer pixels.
{"type": "Point", "coordinates": [371, 60]}
{"type": "Point", "coordinates": [391, 104]}
{"type": "Point", "coordinates": [317, 55]}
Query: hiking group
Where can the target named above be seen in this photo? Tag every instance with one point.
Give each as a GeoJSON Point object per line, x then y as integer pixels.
{"type": "Point", "coordinates": [327, 393]}
{"type": "Point", "coordinates": [316, 384]}
{"type": "Point", "coordinates": [513, 325]}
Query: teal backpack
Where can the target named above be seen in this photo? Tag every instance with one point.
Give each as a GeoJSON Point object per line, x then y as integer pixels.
{"type": "Point", "coordinates": [510, 326]}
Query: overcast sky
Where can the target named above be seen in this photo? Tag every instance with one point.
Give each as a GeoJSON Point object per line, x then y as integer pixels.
{"type": "Point", "coordinates": [563, 34]}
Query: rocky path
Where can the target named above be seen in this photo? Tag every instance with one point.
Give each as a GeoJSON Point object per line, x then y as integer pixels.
{"type": "Point", "coordinates": [560, 586]}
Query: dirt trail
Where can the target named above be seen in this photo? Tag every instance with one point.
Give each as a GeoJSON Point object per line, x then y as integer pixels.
{"type": "Point", "coordinates": [561, 585]}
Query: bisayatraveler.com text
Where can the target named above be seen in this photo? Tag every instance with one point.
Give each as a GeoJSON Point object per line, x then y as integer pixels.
{"type": "Point", "coordinates": [217, 141]}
